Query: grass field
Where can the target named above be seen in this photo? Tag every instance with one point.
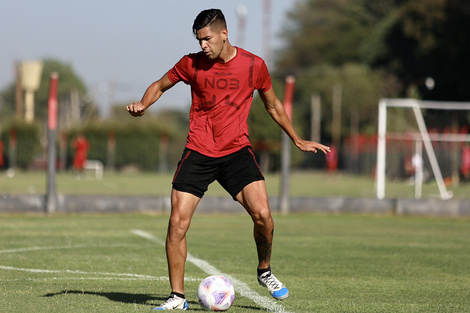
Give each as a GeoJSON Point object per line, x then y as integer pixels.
{"type": "Point", "coordinates": [303, 184]}
{"type": "Point", "coordinates": [331, 263]}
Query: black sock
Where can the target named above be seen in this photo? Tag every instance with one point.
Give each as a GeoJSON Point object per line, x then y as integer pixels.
{"type": "Point", "coordinates": [261, 271]}
{"type": "Point", "coordinates": [178, 294]}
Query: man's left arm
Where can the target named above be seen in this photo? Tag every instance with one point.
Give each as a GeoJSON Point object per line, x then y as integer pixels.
{"type": "Point", "coordinates": [275, 108]}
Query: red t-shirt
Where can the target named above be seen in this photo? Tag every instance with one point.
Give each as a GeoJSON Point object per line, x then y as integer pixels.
{"type": "Point", "coordinates": [221, 99]}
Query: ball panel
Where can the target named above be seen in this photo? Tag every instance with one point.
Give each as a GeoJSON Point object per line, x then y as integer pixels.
{"type": "Point", "coordinates": [216, 293]}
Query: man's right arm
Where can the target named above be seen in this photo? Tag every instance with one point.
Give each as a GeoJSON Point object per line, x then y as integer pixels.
{"type": "Point", "coordinates": [151, 95]}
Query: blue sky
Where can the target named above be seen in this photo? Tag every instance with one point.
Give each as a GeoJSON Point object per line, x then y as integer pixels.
{"type": "Point", "coordinates": [127, 43]}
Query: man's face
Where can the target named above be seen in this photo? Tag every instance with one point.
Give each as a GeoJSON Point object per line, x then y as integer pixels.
{"type": "Point", "coordinates": [211, 41]}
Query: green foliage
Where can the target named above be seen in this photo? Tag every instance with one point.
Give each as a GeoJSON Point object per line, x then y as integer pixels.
{"type": "Point", "coordinates": [7, 103]}
{"type": "Point", "coordinates": [68, 81]}
{"type": "Point", "coordinates": [137, 140]}
{"type": "Point", "coordinates": [263, 130]}
{"type": "Point", "coordinates": [421, 39]}
{"type": "Point", "coordinates": [28, 142]}
{"type": "Point", "coordinates": [360, 87]}
{"type": "Point", "coordinates": [411, 31]}
{"type": "Point", "coordinates": [136, 143]}
{"type": "Point", "coordinates": [404, 41]}
{"type": "Point", "coordinates": [265, 134]}
{"type": "Point", "coordinates": [327, 32]}
{"type": "Point", "coordinates": [324, 48]}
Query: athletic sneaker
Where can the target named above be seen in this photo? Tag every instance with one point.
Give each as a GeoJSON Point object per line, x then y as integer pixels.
{"type": "Point", "coordinates": [173, 303]}
{"type": "Point", "coordinates": [275, 287]}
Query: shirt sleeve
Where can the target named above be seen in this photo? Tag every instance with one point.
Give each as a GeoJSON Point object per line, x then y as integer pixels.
{"type": "Point", "coordinates": [263, 83]}
{"type": "Point", "coordinates": [179, 72]}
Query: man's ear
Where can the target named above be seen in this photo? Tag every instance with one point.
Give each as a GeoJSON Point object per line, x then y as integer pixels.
{"type": "Point", "coordinates": [224, 33]}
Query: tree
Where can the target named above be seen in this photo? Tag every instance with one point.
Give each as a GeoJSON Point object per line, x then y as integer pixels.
{"type": "Point", "coordinates": [324, 47]}
{"type": "Point", "coordinates": [7, 103]}
{"type": "Point", "coordinates": [425, 38]}
{"type": "Point", "coordinates": [68, 81]}
{"type": "Point", "coordinates": [403, 41]}
{"type": "Point", "coordinates": [329, 32]}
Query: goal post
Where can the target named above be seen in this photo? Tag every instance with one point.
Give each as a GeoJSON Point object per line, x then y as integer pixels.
{"type": "Point", "coordinates": [422, 135]}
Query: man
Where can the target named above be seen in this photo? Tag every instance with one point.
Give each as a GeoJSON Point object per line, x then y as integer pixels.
{"type": "Point", "coordinates": [81, 146]}
{"type": "Point", "coordinates": [222, 79]}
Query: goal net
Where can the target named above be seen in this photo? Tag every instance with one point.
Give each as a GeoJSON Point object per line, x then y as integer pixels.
{"type": "Point", "coordinates": [402, 120]}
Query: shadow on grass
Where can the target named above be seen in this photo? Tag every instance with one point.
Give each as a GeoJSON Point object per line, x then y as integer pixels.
{"type": "Point", "coordinates": [115, 296]}
{"type": "Point", "coordinates": [131, 298]}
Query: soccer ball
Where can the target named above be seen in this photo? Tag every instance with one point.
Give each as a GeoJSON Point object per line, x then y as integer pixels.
{"type": "Point", "coordinates": [215, 293]}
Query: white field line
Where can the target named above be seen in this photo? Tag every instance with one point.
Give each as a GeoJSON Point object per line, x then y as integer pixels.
{"type": "Point", "coordinates": [43, 271]}
{"type": "Point", "coordinates": [115, 276]}
{"type": "Point", "coordinates": [122, 276]}
{"type": "Point", "coordinates": [268, 303]}
{"type": "Point", "coordinates": [36, 248]}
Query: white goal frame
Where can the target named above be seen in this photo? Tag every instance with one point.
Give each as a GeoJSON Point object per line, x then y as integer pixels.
{"type": "Point", "coordinates": [423, 136]}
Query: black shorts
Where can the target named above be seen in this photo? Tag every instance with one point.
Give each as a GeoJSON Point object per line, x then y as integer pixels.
{"type": "Point", "coordinates": [233, 172]}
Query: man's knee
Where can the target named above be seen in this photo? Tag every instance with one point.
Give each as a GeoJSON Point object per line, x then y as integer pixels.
{"type": "Point", "coordinates": [262, 215]}
{"type": "Point", "coordinates": [178, 222]}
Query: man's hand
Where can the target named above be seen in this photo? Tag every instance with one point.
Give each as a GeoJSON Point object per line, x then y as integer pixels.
{"type": "Point", "coordinates": [136, 109]}
{"type": "Point", "coordinates": [312, 146]}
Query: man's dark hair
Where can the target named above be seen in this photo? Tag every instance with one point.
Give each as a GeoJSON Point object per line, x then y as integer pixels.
{"type": "Point", "coordinates": [211, 17]}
